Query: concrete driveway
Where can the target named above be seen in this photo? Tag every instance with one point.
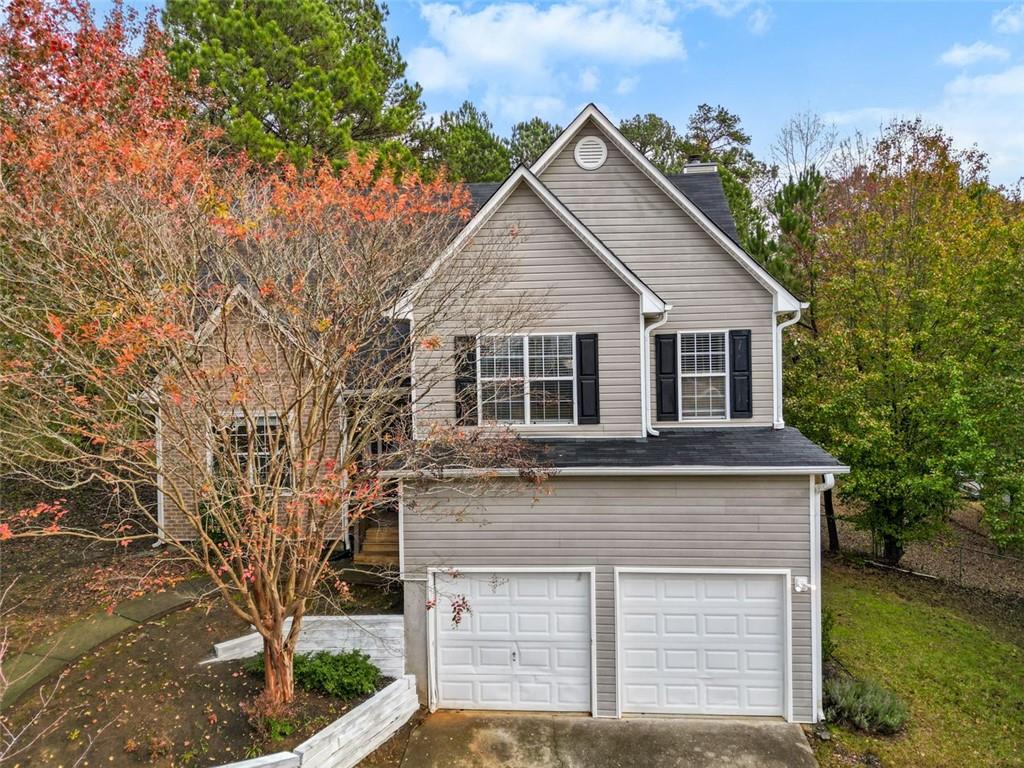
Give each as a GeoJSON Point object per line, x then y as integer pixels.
{"type": "Point", "coordinates": [502, 740]}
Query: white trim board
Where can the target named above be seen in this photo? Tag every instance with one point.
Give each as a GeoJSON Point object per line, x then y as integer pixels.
{"type": "Point", "coordinates": [787, 302]}
{"type": "Point", "coordinates": [785, 573]}
{"type": "Point", "coordinates": [642, 471]}
{"type": "Point", "coordinates": [432, 693]}
{"type": "Point", "coordinates": [650, 302]}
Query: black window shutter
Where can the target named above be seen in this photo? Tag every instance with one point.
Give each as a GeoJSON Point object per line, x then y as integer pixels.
{"type": "Point", "coordinates": [465, 381]}
{"type": "Point", "coordinates": [588, 401]}
{"type": "Point", "coordinates": [741, 404]}
{"type": "Point", "coordinates": [666, 368]}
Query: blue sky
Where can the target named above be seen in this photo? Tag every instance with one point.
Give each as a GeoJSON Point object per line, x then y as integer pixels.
{"type": "Point", "coordinates": [957, 64]}
{"type": "Point", "coordinates": [858, 64]}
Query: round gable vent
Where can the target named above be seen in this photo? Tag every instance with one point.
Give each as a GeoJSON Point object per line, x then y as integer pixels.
{"type": "Point", "coordinates": [590, 153]}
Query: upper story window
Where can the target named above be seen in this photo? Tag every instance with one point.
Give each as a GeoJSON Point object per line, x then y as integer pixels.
{"type": "Point", "coordinates": [527, 379]}
{"type": "Point", "coordinates": [703, 367]}
{"type": "Point", "coordinates": [255, 454]}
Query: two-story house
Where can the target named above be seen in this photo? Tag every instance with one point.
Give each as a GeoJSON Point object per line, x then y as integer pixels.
{"type": "Point", "coordinates": [670, 564]}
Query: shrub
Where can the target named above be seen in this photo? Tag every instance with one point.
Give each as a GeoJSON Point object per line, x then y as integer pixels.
{"type": "Point", "coordinates": [864, 705]}
{"type": "Point", "coordinates": [270, 719]}
{"type": "Point", "coordinates": [343, 675]}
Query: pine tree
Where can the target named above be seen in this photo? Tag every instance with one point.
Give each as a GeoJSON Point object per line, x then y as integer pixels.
{"type": "Point", "coordinates": [296, 78]}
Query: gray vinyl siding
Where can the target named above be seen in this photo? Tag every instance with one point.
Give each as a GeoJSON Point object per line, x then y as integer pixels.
{"type": "Point", "coordinates": [671, 253]}
{"type": "Point", "coordinates": [712, 522]}
{"type": "Point", "coordinates": [568, 289]}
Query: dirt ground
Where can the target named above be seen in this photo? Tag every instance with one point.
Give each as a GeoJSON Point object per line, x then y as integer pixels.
{"type": "Point", "coordinates": [143, 699]}
{"type": "Point", "coordinates": [52, 582]}
{"type": "Point", "coordinates": [961, 553]}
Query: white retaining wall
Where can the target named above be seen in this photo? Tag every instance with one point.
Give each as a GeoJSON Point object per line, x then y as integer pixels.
{"type": "Point", "coordinates": [351, 737]}
{"type": "Point", "coordinates": [381, 637]}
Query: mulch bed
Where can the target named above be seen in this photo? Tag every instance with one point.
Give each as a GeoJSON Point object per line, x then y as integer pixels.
{"type": "Point", "coordinates": [143, 699]}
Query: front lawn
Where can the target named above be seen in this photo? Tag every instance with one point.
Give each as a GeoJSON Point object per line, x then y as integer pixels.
{"type": "Point", "coordinates": [955, 657]}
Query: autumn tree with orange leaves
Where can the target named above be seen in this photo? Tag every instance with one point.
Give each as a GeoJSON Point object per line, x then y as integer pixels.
{"type": "Point", "coordinates": [170, 312]}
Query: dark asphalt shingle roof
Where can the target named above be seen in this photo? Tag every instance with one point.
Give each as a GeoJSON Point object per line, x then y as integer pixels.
{"type": "Point", "coordinates": [722, 447]}
{"type": "Point", "coordinates": [703, 189]}
{"type": "Point", "coordinates": [481, 192]}
{"type": "Point", "coordinates": [706, 192]}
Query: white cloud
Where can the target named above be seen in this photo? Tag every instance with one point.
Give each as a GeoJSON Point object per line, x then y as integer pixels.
{"type": "Point", "coordinates": [986, 110]}
{"type": "Point", "coordinates": [1009, 20]}
{"type": "Point", "coordinates": [626, 85]}
{"type": "Point", "coordinates": [589, 80]}
{"type": "Point", "coordinates": [435, 71]}
{"type": "Point", "coordinates": [960, 55]}
{"type": "Point", "coordinates": [518, 52]}
{"type": "Point", "coordinates": [759, 20]}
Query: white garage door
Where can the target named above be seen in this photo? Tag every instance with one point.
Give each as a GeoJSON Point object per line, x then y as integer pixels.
{"type": "Point", "coordinates": [523, 642]}
{"type": "Point", "coordinates": [702, 644]}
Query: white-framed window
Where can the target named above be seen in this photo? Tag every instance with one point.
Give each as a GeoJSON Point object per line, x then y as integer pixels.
{"type": "Point", "coordinates": [255, 454]}
{"type": "Point", "coordinates": [704, 375]}
{"type": "Point", "coordinates": [527, 379]}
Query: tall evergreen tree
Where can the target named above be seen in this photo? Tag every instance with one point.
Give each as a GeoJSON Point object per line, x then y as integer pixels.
{"type": "Point", "coordinates": [529, 140]}
{"type": "Point", "coordinates": [465, 142]}
{"type": "Point", "coordinates": [658, 140]}
{"type": "Point", "coordinates": [713, 134]}
{"type": "Point", "coordinates": [296, 77]}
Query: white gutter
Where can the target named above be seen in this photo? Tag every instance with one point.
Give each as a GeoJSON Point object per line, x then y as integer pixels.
{"type": "Point", "coordinates": [779, 422]}
{"type": "Point", "coordinates": [645, 377]}
{"type": "Point", "coordinates": [596, 471]}
{"type": "Point", "coordinates": [829, 479]}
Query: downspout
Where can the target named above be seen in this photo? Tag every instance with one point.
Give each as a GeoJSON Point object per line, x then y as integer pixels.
{"type": "Point", "coordinates": [645, 362]}
{"type": "Point", "coordinates": [780, 422]}
{"type": "Point", "coordinates": [829, 481]}
{"type": "Point", "coordinates": [828, 484]}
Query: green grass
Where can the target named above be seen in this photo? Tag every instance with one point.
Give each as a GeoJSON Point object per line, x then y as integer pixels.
{"type": "Point", "coordinates": [964, 685]}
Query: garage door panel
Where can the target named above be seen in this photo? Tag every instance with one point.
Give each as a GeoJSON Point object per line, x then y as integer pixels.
{"type": "Point", "coordinates": [680, 624]}
{"type": "Point", "coordinates": [702, 644]}
{"type": "Point", "coordinates": [524, 642]}
{"type": "Point", "coordinates": [680, 660]}
{"type": "Point", "coordinates": [490, 621]}
{"type": "Point", "coordinates": [682, 696]}
{"type": "Point", "coordinates": [640, 624]}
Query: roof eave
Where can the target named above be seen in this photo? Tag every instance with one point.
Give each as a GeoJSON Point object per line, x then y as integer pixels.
{"type": "Point", "coordinates": [620, 471]}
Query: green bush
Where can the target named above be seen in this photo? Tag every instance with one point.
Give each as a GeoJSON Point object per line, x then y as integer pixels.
{"type": "Point", "coordinates": [278, 729]}
{"type": "Point", "coordinates": [864, 705]}
{"type": "Point", "coordinates": [344, 675]}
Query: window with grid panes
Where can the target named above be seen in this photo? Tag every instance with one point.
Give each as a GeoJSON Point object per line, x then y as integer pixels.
{"type": "Point", "coordinates": [703, 370]}
{"type": "Point", "coordinates": [527, 379]}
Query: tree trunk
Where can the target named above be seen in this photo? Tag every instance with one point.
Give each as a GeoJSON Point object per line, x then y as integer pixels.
{"type": "Point", "coordinates": [892, 550]}
{"type": "Point", "coordinates": [830, 520]}
{"type": "Point", "coordinates": [279, 680]}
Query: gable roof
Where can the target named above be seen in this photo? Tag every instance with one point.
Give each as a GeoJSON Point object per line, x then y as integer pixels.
{"type": "Point", "coordinates": [704, 189]}
{"type": "Point", "coordinates": [651, 303]}
{"type": "Point", "coordinates": [784, 300]}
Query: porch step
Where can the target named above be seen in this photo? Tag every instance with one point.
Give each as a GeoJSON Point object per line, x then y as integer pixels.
{"type": "Point", "coordinates": [384, 561]}
{"type": "Point", "coordinates": [379, 546]}
{"type": "Point", "coordinates": [388, 533]}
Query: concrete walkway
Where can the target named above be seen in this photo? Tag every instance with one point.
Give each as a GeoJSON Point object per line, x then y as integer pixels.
{"type": "Point", "coordinates": [48, 657]}
{"type": "Point", "coordinates": [500, 740]}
